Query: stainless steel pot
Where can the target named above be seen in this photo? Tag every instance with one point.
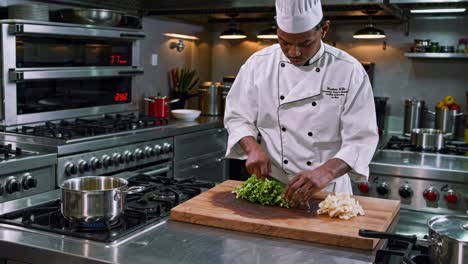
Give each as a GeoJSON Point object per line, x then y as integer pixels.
{"type": "Point", "coordinates": [93, 198]}
{"type": "Point", "coordinates": [98, 17]}
{"type": "Point", "coordinates": [445, 120]}
{"type": "Point", "coordinates": [447, 243]}
{"type": "Point", "coordinates": [211, 97]}
{"type": "Point", "coordinates": [427, 138]}
{"type": "Point", "coordinates": [449, 239]}
{"type": "Point", "coordinates": [414, 113]}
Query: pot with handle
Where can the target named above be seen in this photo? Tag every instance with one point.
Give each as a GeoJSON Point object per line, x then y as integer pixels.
{"type": "Point", "coordinates": [93, 199]}
{"type": "Point", "coordinates": [427, 138]}
{"type": "Point", "coordinates": [414, 115]}
{"type": "Point", "coordinates": [159, 106]}
{"type": "Point", "coordinates": [448, 239]}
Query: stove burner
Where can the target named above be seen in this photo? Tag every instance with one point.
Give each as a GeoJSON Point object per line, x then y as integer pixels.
{"type": "Point", "coordinates": [80, 127]}
{"type": "Point", "coordinates": [8, 152]}
{"type": "Point", "coordinates": [163, 195]}
{"type": "Point", "coordinates": [98, 226]}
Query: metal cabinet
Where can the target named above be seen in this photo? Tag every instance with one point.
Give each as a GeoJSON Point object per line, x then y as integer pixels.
{"type": "Point", "coordinates": [210, 167]}
{"type": "Point", "coordinates": [199, 143]}
{"type": "Point", "coordinates": [201, 155]}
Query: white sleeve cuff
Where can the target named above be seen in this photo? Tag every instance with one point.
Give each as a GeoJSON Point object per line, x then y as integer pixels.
{"type": "Point", "coordinates": [234, 150]}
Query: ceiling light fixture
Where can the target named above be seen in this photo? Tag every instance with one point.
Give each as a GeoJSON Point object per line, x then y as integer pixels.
{"type": "Point", "coordinates": [233, 32]}
{"type": "Point", "coordinates": [437, 10]}
{"type": "Point", "coordinates": [269, 33]}
{"type": "Point", "coordinates": [369, 32]}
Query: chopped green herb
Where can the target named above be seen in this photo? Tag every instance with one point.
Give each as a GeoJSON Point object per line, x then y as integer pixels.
{"type": "Point", "coordinates": [265, 192]}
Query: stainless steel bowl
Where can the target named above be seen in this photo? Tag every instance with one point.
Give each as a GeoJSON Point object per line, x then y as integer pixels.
{"type": "Point", "coordinates": [98, 17]}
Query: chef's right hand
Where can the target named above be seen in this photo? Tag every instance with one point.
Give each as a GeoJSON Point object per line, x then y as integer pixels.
{"type": "Point", "coordinates": [257, 161]}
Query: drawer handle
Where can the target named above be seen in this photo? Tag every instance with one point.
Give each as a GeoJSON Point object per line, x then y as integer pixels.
{"type": "Point", "coordinates": [195, 166]}
{"type": "Point", "coordinates": [220, 130]}
{"type": "Point", "coordinates": [220, 159]}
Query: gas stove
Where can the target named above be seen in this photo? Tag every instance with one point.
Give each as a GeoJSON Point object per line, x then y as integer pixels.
{"type": "Point", "coordinates": [423, 180]}
{"type": "Point", "coordinates": [82, 128]}
{"type": "Point", "coordinates": [451, 147]}
{"type": "Point", "coordinates": [25, 170]}
{"type": "Point", "coordinates": [101, 144]}
{"type": "Point", "coordinates": [150, 201]}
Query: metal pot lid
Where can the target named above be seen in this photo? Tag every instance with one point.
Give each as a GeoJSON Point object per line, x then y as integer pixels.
{"type": "Point", "coordinates": [452, 226]}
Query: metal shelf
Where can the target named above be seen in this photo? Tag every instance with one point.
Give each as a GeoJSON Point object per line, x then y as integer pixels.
{"type": "Point", "coordinates": [431, 55]}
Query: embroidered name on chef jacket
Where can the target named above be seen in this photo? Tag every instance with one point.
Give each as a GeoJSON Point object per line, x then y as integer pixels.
{"type": "Point", "coordinates": [335, 93]}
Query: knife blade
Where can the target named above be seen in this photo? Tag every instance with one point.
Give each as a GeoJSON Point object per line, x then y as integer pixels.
{"type": "Point", "coordinates": [277, 180]}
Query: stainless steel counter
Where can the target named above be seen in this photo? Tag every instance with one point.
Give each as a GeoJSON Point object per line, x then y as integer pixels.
{"type": "Point", "coordinates": [165, 242]}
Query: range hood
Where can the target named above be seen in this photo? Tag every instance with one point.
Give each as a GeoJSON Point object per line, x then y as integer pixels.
{"type": "Point", "coordinates": [203, 11]}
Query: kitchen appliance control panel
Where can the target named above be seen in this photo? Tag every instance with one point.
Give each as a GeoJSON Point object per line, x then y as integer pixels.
{"type": "Point", "coordinates": [416, 194]}
{"type": "Point", "coordinates": [110, 160]}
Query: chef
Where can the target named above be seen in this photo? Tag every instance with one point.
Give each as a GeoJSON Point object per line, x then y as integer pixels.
{"type": "Point", "coordinates": [302, 111]}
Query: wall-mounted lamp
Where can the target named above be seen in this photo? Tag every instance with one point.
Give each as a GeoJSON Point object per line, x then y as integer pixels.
{"type": "Point", "coordinates": [180, 45]}
{"type": "Point", "coordinates": [269, 33]}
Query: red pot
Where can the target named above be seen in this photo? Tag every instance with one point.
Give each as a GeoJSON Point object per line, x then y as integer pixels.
{"type": "Point", "coordinates": [159, 106]}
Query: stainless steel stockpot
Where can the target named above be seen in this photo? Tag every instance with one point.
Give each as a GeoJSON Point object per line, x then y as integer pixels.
{"type": "Point", "coordinates": [449, 237]}
{"type": "Point", "coordinates": [93, 198]}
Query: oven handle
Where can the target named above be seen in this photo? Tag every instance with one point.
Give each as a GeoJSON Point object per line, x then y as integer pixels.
{"type": "Point", "coordinates": [157, 171]}
{"type": "Point", "coordinates": [52, 30]}
{"type": "Point", "coordinates": [15, 75]}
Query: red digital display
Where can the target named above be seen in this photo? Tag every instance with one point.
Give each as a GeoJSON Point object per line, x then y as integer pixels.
{"type": "Point", "coordinates": [117, 60]}
{"type": "Point", "coordinates": [121, 97]}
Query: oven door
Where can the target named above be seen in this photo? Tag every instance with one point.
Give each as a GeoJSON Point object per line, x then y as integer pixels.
{"type": "Point", "coordinates": [52, 72]}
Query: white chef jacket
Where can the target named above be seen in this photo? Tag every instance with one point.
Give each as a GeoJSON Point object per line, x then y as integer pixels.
{"type": "Point", "coordinates": [305, 115]}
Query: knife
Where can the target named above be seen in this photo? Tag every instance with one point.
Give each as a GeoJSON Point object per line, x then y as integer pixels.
{"type": "Point", "coordinates": [278, 181]}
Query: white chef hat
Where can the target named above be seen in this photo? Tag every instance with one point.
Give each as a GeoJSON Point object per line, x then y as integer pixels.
{"type": "Point", "coordinates": [297, 16]}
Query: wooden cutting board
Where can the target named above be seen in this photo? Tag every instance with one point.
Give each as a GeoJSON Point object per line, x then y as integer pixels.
{"type": "Point", "coordinates": [218, 207]}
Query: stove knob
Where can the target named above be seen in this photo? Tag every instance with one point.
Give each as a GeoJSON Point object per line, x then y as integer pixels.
{"type": "Point", "coordinates": [106, 161]}
{"type": "Point", "coordinates": [70, 169]}
{"type": "Point", "coordinates": [12, 186]}
{"type": "Point", "coordinates": [383, 189]}
{"type": "Point", "coordinates": [451, 197]}
{"type": "Point", "coordinates": [431, 194]}
{"type": "Point", "coordinates": [29, 181]}
{"type": "Point", "coordinates": [149, 152]}
{"type": "Point", "coordinates": [83, 166]}
{"type": "Point", "coordinates": [157, 150]}
{"type": "Point", "coordinates": [405, 191]}
{"type": "Point", "coordinates": [363, 187]}
{"type": "Point", "coordinates": [167, 148]}
{"type": "Point", "coordinates": [95, 163]}
{"type": "Point", "coordinates": [117, 159]}
{"type": "Point", "coordinates": [128, 156]}
{"type": "Point", "coordinates": [139, 154]}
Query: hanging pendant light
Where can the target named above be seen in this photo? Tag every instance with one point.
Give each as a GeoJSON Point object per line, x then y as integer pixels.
{"type": "Point", "coordinates": [233, 32]}
{"type": "Point", "coordinates": [370, 32]}
{"type": "Point", "coordinates": [269, 33]}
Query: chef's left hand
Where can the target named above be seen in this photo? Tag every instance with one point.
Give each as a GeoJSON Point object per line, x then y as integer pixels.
{"type": "Point", "coordinates": [305, 184]}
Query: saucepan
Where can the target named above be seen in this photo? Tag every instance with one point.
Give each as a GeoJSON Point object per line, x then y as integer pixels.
{"type": "Point", "coordinates": [159, 106]}
{"type": "Point", "coordinates": [447, 242]}
{"type": "Point", "coordinates": [93, 199]}
{"type": "Point", "coordinates": [427, 138]}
